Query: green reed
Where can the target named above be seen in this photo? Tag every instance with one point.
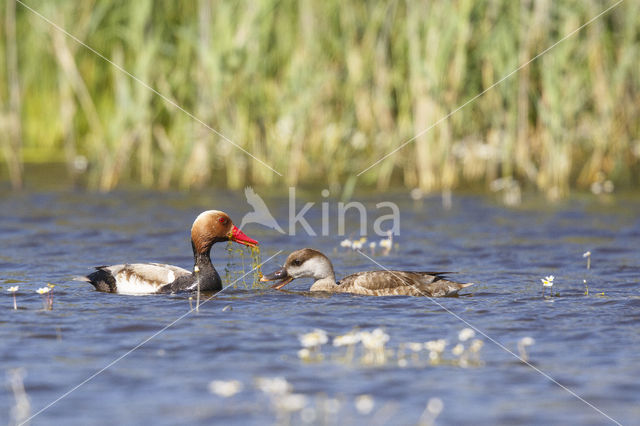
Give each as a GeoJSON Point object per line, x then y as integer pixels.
{"type": "Point", "coordinates": [321, 90]}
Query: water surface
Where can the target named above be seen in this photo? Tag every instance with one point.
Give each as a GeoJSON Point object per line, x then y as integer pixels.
{"type": "Point", "coordinates": [589, 344]}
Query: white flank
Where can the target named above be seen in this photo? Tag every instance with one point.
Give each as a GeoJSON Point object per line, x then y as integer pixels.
{"type": "Point", "coordinates": [135, 285]}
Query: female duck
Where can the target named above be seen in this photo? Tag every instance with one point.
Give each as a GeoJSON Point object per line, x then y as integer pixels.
{"type": "Point", "coordinates": [210, 227]}
{"type": "Point", "coordinates": [311, 263]}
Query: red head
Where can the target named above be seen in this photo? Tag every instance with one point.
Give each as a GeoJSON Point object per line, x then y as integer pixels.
{"type": "Point", "coordinates": [213, 226]}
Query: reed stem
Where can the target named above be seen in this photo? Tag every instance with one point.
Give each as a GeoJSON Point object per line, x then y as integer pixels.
{"type": "Point", "coordinates": [322, 90]}
{"type": "Point", "coordinates": [12, 138]}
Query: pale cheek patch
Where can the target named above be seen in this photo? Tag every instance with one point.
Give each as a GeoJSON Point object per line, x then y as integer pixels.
{"type": "Point", "coordinates": [318, 268]}
{"type": "Point", "coordinates": [312, 268]}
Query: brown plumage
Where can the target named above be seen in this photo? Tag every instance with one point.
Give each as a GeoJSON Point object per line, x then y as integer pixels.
{"type": "Point", "coordinates": [313, 264]}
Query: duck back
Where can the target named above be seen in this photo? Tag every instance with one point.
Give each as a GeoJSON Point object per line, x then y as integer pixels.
{"type": "Point", "coordinates": [399, 283]}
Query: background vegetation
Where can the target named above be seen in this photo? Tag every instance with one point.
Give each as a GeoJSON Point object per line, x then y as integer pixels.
{"type": "Point", "coordinates": [319, 90]}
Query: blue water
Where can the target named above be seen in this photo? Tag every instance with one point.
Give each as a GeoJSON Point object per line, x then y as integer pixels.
{"type": "Point", "coordinates": [589, 344]}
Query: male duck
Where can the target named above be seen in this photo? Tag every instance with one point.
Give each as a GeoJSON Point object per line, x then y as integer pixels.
{"type": "Point", "coordinates": [210, 227]}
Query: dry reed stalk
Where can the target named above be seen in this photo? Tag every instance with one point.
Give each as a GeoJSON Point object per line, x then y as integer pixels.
{"type": "Point", "coordinates": [168, 151]}
{"type": "Point", "coordinates": [68, 65]}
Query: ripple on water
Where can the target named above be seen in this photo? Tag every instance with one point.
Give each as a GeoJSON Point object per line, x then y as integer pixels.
{"type": "Point", "coordinates": [133, 328]}
{"type": "Point", "coordinates": [586, 342]}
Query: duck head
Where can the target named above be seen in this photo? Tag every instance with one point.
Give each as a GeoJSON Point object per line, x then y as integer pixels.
{"type": "Point", "coordinates": [304, 263]}
{"type": "Point", "coordinates": [213, 226]}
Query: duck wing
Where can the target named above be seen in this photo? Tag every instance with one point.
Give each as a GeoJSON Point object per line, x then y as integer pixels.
{"type": "Point", "coordinates": [134, 278]}
{"type": "Point", "coordinates": [400, 283]}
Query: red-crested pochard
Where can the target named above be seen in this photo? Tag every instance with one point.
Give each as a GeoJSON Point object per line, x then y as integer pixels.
{"type": "Point", "coordinates": [210, 227]}
{"type": "Point", "coordinates": [310, 263]}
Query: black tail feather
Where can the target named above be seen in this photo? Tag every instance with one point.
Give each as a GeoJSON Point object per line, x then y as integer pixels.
{"type": "Point", "coordinates": [102, 280]}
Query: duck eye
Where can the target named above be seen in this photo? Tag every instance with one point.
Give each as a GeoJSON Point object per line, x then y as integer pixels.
{"type": "Point", "coordinates": [297, 262]}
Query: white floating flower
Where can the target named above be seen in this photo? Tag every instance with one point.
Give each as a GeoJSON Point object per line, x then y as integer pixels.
{"type": "Point", "coordinates": [372, 245]}
{"type": "Point", "coordinates": [346, 243]}
{"type": "Point", "coordinates": [435, 406]}
{"type": "Point", "coordinates": [466, 334]}
{"type": "Point", "coordinates": [415, 347]}
{"type": "Point", "coordinates": [437, 346]}
{"type": "Point", "coordinates": [386, 243]}
{"type": "Point", "coordinates": [316, 338]}
{"type": "Point", "coordinates": [547, 281]}
{"type": "Point", "coordinates": [226, 388]}
{"type": "Point", "coordinates": [12, 289]}
{"type": "Point", "coordinates": [522, 347]}
{"type": "Point", "coordinates": [364, 404]}
{"type": "Point", "coordinates": [476, 345]}
{"type": "Point", "coordinates": [357, 245]}
{"type": "Point", "coordinates": [43, 290]}
{"type": "Point", "coordinates": [291, 402]}
{"type": "Point", "coordinates": [375, 339]}
{"type": "Point", "coordinates": [586, 254]}
{"type": "Point", "coordinates": [273, 385]}
{"type": "Point", "coordinates": [347, 339]}
{"type": "Point", "coordinates": [458, 349]}
{"type": "Point", "coordinates": [527, 341]}
{"type": "Point", "coordinates": [304, 354]}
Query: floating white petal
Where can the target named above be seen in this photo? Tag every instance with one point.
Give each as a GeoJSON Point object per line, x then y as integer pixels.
{"type": "Point", "coordinates": [466, 334]}
{"type": "Point", "coordinates": [225, 388]}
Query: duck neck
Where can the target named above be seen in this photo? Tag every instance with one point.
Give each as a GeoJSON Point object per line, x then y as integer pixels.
{"type": "Point", "coordinates": [206, 273]}
{"type": "Point", "coordinates": [325, 278]}
{"type": "Point", "coordinates": [325, 284]}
